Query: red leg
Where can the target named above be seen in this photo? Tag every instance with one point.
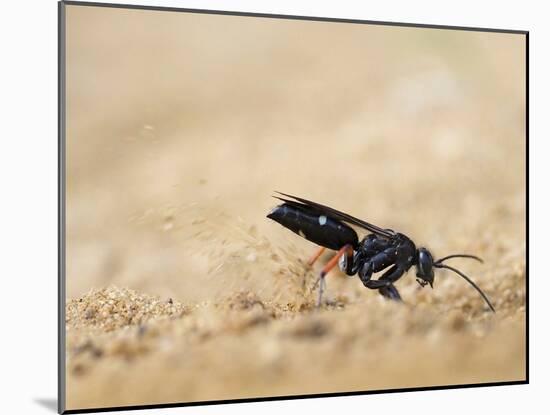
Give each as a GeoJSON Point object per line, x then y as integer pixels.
{"type": "Point", "coordinates": [347, 250]}
{"type": "Point", "coordinates": [316, 256]}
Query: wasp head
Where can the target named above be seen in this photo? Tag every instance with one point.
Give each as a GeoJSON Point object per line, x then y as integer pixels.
{"type": "Point", "coordinates": [424, 267]}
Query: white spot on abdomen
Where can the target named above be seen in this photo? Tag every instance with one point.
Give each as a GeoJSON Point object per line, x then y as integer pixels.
{"type": "Point", "coordinates": [301, 233]}
{"type": "Point", "coordinates": [322, 220]}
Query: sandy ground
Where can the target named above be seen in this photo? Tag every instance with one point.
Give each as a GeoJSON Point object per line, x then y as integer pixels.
{"type": "Point", "coordinates": [179, 129]}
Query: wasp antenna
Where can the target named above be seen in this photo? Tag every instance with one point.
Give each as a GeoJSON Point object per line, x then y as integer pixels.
{"type": "Point", "coordinates": [439, 265]}
{"type": "Point", "coordinates": [439, 261]}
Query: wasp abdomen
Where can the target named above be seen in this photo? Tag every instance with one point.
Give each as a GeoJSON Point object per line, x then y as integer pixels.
{"type": "Point", "coordinates": [319, 229]}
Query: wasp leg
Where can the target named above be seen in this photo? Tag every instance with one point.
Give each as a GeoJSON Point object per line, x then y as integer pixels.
{"type": "Point", "coordinates": [316, 256]}
{"type": "Point", "coordinates": [389, 291]}
{"type": "Point", "coordinates": [376, 263]}
{"type": "Point", "coordinates": [384, 284]}
{"type": "Point", "coordinates": [350, 263]}
{"type": "Point", "coordinates": [365, 273]}
{"type": "Point", "coordinates": [392, 275]}
{"type": "Point", "coordinates": [345, 250]}
{"type": "Point", "coordinates": [322, 284]}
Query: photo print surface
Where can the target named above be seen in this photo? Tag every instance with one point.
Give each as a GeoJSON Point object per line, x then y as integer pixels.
{"type": "Point", "coordinates": [180, 127]}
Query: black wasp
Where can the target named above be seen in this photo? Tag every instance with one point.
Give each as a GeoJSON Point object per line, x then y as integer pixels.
{"type": "Point", "coordinates": [380, 249]}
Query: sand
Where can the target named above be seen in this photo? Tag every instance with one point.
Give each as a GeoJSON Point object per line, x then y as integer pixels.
{"type": "Point", "coordinates": [178, 287]}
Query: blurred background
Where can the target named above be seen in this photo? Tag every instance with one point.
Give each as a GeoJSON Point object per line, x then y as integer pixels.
{"type": "Point", "coordinates": [180, 127]}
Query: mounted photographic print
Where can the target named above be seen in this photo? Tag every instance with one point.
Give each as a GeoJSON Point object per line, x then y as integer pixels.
{"type": "Point", "coordinates": [259, 207]}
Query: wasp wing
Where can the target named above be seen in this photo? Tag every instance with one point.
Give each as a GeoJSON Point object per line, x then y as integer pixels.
{"type": "Point", "coordinates": [335, 214]}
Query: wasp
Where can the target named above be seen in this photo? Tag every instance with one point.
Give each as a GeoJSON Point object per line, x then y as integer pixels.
{"type": "Point", "coordinates": [381, 249]}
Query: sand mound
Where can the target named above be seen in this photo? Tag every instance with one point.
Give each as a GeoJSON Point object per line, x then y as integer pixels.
{"type": "Point", "coordinates": [136, 349]}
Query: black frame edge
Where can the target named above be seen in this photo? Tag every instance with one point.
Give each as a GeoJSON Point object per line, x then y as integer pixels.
{"type": "Point", "coordinates": [61, 372]}
{"type": "Point", "coordinates": [292, 397]}
{"type": "Point", "coordinates": [527, 207]}
{"type": "Point", "coordinates": [291, 17]}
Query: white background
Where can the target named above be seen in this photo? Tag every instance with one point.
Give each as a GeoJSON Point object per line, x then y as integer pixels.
{"type": "Point", "coordinates": [28, 191]}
